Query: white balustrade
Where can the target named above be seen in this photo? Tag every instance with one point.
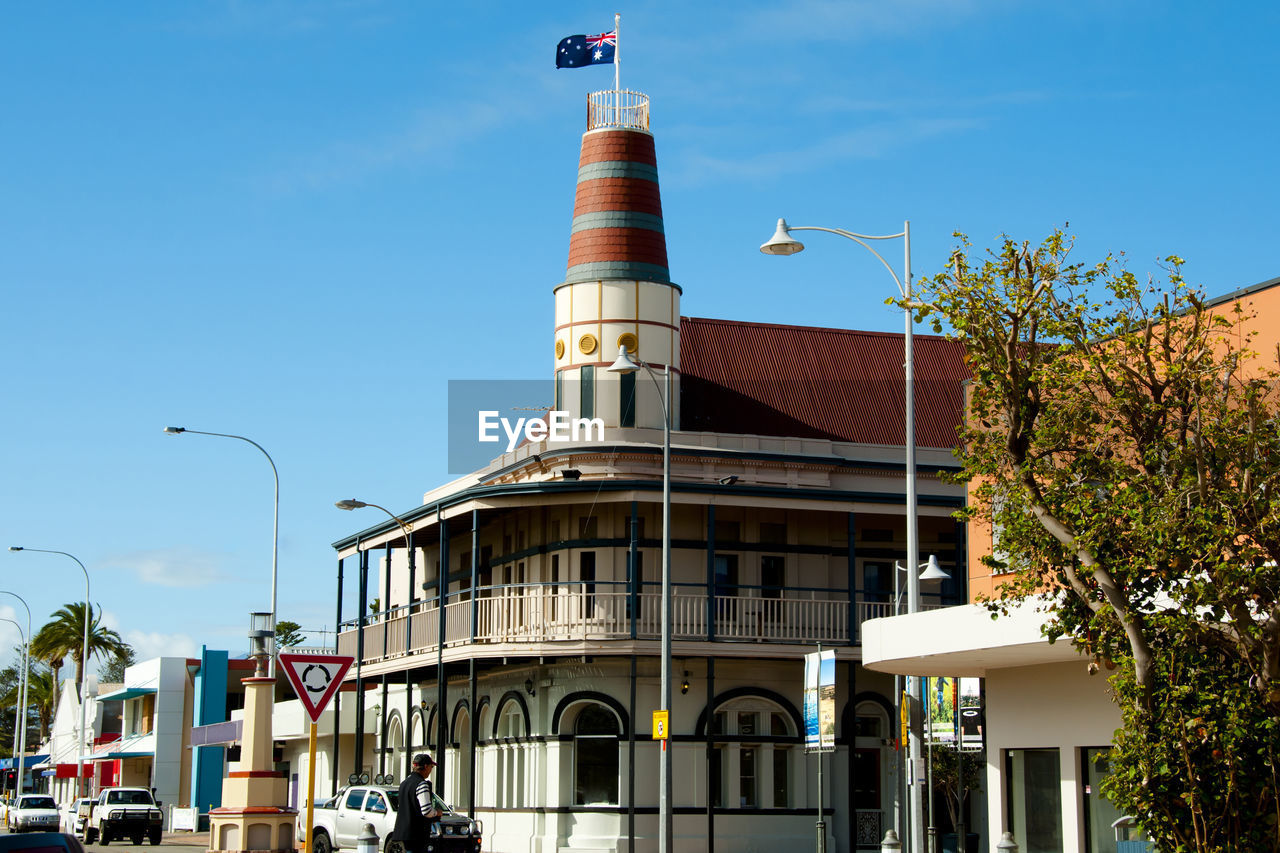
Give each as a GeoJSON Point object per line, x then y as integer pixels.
{"type": "Point", "coordinates": [584, 611]}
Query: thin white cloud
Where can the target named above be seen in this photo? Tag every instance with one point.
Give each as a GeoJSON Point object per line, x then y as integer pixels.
{"type": "Point", "coordinates": [429, 139]}
{"type": "Point", "coordinates": [10, 636]}
{"type": "Point", "coordinates": [864, 143]}
{"type": "Point", "coordinates": [153, 644]}
{"type": "Point", "coordinates": [182, 566]}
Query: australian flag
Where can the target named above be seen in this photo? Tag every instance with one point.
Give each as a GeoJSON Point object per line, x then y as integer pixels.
{"type": "Point", "coordinates": [577, 51]}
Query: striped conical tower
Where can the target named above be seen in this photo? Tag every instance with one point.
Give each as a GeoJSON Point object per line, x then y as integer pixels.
{"type": "Point", "coordinates": [617, 291]}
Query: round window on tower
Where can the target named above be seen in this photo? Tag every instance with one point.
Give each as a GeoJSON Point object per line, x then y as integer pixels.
{"type": "Point", "coordinates": [587, 343]}
{"type": "Point", "coordinates": [559, 349]}
{"type": "Point", "coordinates": [630, 341]}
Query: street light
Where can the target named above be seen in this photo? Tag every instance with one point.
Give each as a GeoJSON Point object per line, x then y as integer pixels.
{"type": "Point", "coordinates": [625, 364]}
{"type": "Point", "coordinates": [275, 526]}
{"type": "Point", "coordinates": [84, 658]}
{"type": "Point", "coordinates": [20, 715]}
{"type": "Point", "coordinates": [782, 243]}
{"type": "Point", "coordinates": [931, 572]}
{"type": "Point", "coordinates": [352, 504]}
{"type": "Point", "coordinates": [20, 739]}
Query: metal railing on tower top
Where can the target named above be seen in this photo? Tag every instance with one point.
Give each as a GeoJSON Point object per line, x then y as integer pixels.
{"type": "Point", "coordinates": [618, 108]}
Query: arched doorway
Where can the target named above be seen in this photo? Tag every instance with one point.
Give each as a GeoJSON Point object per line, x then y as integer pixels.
{"type": "Point", "coordinates": [874, 774]}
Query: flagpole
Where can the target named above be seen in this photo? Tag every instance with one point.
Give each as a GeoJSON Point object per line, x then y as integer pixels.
{"type": "Point", "coordinates": [617, 53]}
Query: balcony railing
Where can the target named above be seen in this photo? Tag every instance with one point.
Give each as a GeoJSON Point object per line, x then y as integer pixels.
{"type": "Point", "coordinates": [618, 108]}
{"type": "Point", "coordinates": [551, 613]}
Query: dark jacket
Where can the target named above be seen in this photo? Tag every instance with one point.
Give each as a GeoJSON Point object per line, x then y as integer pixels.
{"type": "Point", "coordinates": [411, 825]}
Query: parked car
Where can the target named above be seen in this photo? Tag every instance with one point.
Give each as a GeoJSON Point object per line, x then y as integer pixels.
{"type": "Point", "coordinates": [32, 813]}
{"type": "Point", "coordinates": [41, 842]}
{"type": "Point", "coordinates": [72, 822]}
{"type": "Point", "coordinates": [337, 823]}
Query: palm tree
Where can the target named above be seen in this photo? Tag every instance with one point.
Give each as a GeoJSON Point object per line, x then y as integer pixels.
{"type": "Point", "coordinates": [64, 637]}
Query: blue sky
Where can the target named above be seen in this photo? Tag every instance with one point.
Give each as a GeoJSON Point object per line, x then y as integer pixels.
{"type": "Point", "coordinates": [296, 221]}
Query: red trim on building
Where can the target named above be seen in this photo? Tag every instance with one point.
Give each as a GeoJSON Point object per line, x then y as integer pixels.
{"type": "Point", "coordinates": [255, 774]}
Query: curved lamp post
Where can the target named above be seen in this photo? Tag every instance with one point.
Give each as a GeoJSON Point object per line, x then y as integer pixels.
{"type": "Point", "coordinates": [782, 243]}
{"type": "Point", "coordinates": [352, 504]}
{"type": "Point", "coordinates": [21, 740]}
{"type": "Point", "coordinates": [20, 715]}
{"type": "Point", "coordinates": [275, 528]}
{"type": "Point", "coordinates": [84, 658]}
{"type": "Point", "coordinates": [626, 364]}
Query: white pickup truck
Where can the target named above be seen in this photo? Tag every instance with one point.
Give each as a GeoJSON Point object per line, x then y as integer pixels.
{"type": "Point", "coordinates": [338, 823]}
{"type": "Point", "coordinates": [119, 813]}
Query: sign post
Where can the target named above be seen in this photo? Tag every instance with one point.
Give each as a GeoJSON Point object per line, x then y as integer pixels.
{"type": "Point", "coordinates": [315, 678]}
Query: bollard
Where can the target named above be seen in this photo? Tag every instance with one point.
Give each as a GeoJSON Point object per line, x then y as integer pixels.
{"type": "Point", "coordinates": [368, 840]}
{"type": "Point", "coordinates": [890, 842]}
{"type": "Point", "coordinates": [1007, 844]}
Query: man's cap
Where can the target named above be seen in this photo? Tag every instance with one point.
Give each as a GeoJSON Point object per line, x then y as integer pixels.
{"type": "Point", "coordinates": [422, 759]}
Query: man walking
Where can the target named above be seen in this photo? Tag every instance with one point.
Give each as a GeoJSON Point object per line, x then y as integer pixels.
{"type": "Point", "coordinates": [416, 811]}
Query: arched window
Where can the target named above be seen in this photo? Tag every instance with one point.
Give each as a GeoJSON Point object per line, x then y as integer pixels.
{"type": "Point", "coordinates": [460, 780]}
{"type": "Point", "coordinates": [511, 723]}
{"type": "Point", "coordinates": [512, 755]}
{"type": "Point", "coordinates": [756, 755]}
{"type": "Point", "coordinates": [595, 756]}
{"type": "Point", "coordinates": [395, 747]}
{"type": "Point", "coordinates": [418, 730]}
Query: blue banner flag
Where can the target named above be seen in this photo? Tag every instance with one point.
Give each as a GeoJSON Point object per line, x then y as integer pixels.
{"type": "Point", "coordinates": [577, 51]}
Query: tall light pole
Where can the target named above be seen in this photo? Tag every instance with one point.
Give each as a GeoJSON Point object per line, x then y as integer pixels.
{"type": "Point", "coordinates": [407, 529]}
{"type": "Point", "coordinates": [275, 528]}
{"type": "Point", "coordinates": [782, 243]}
{"type": "Point", "coordinates": [626, 364]}
{"type": "Point", "coordinates": [84, 661]}
{"type": "Point", "coordinates": [20, 739]}
{"type": "Point", "coordinates": [20, 715]}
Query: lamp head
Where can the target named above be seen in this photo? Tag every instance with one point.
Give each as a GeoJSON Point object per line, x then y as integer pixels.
{"type": "Point", "coordinates": [624, 364]}
{"type": "Point", "coordinates": [729, 481]}
{"type": "Point", "coordinates": [570, 474]}
{"type": "Point", "coordinates": [174, 430]}
{"type": "Point", "coordinates": [782, 243]}
{"type": "Point", "coordinates": [15, 547]}
{"type": "Point", "coordinates": [350, 504]}
{"type": "Point", "coordinates": [934, 572]}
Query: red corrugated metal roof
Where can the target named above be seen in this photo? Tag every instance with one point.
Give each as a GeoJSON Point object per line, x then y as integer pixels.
{"type": "Point", "coordinates": [806, 382]}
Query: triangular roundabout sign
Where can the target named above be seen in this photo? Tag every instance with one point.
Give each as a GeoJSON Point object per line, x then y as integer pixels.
{"type": "Point", "coordinates": [315, 678]}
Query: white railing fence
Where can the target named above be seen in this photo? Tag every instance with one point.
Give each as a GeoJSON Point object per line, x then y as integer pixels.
{"type": "Point", "coordinates": [538, 613]}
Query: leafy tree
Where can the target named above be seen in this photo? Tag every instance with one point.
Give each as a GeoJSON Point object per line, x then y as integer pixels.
{"type": "Point", "coordinates": [64, 637]}
{"type": "Point", "coordinates": [1122, 442]}
{"type": "Point", "coordinates": [113, 670]}
{"type": "Point", "coordinates": [39, 701]}
{"type": "Point", "coordinates": [288, 634]}
{"type": "Point", "coordinates": [956, 774]}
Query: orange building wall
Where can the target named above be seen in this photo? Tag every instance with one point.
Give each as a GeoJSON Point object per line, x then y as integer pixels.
{"type": "Point", "coordinates": [1261, 305]}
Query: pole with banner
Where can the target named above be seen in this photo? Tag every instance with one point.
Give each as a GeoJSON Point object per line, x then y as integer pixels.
{"type": "Point", "coordinates": [315, 678]}
{"type": "Point", "coordinates": [820, 719]}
